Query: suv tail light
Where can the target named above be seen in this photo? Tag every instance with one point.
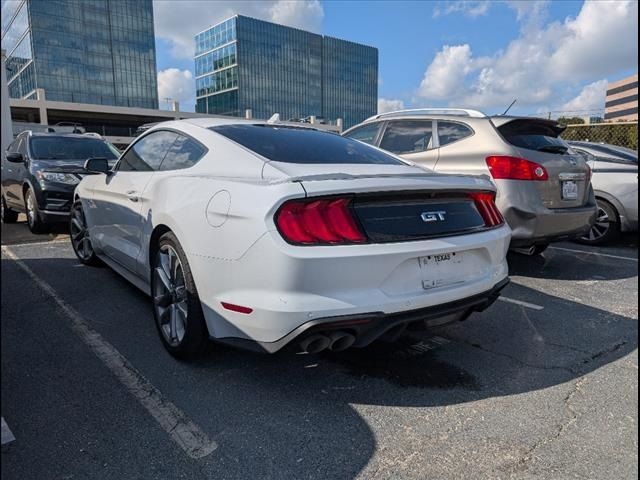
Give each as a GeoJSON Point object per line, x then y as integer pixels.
{"type": "Point", "coordinates": [486, 205]}
{"type": "Point", "coordinates": [318, 222]}
{"type": "Point", "coordinates": [504, 167]}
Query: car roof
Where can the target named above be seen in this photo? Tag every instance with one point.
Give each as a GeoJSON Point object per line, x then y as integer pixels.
{"type": "Point", "coordinates": [62, 134]}
{"type": "Point", "coordinates": [208, 122]}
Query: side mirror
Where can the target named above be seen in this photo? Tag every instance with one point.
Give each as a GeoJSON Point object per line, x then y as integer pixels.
{"type": "Point", "coordinates": [15, 157]}
{"type": "Point", "coordinates": [97, 165]}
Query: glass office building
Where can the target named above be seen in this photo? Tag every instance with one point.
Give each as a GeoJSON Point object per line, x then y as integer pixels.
{"type": "Point", "coordinates": [244, 63]}
{"type": "Point", "coordinates": [82, 51]}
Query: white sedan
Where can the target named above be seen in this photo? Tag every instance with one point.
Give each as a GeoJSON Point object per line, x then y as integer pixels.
{"type": "Point", "coordinates": [262, 235]}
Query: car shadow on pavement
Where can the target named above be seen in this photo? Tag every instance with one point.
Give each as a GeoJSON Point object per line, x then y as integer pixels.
{"type": "Point", "coordinates": [18, 233]}
{"type": "Point", "coordinates": [559, 265]}
{"type": "Point", "coordinates": [292, 415]}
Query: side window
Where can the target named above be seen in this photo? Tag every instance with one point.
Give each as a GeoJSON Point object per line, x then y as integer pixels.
{"type": "Point", "coordinates": [449, 132]}
{"type": "Point", "coordinates": [408, 136]}
{"type": "Point", "coordinates": [147, 153]}
{"type": "Point", "coordinates": [22, 146]}
{"type": "Point", "coordinates": [366, 133]}
{"type": "Point", "coordinates": [184, 153]}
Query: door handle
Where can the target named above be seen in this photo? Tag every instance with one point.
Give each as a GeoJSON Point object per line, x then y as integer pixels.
{"type": "Point", "coordinates": [133, 195]}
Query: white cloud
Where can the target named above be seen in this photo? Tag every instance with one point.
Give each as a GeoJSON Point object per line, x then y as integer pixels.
{"type": "Point", "coordinates": [528, 10]}
{"type": "Point", "coordinates": [590, 99]}
{"type": "Point", "coordinates": [388, 105]}
{"type": "Point", "coordinates": [178, 21]}
{"type": "Point", "coordinates": [177, 85]}
{"type": "Point", "coordinates": [306, 15]}
{"type": "Point", "coordinates": [603, 37]}
{"type": "Point", "coordinates": [539, 65]}
{"type": "Point", "coordinates": [445, 75]}
{"type": "Point", "coordinates": [470, 8]}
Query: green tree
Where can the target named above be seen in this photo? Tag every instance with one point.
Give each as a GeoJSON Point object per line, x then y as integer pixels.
{"type": "Point", "coordinates": [570, 120]}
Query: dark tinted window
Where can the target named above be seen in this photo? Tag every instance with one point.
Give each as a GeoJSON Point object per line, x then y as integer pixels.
{"type": "Point", "coordinates": [13, 146]}
{"type": "Point", "coordinates": [16, 145]}
{"type": "Point", "coordinates": [184, 153]}
{"type": "Point", "coordinates": [366, 133]}
{"type": "Point", "coordinates": [537, 135]}
{"type": "Point", "coordinates": [147, 153]}
{"type": "Point", "coordinates": [22, 146]}
{"type": "Point", "coordinates": [69, 148]}
{"type": "Point", "coordinates": [408, 136]}
{"type": "Point", "coordinates": [302, 145]}
{"type": "Point", "coordinates": [449, 132]}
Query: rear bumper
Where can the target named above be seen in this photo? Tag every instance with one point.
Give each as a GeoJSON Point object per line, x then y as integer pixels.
{"type": "Point", "coordinates": [531, 225]}
{"type": "Point", "coordinates": [367, 327]}
{"type": "Point", "coordinates": [287, 286]}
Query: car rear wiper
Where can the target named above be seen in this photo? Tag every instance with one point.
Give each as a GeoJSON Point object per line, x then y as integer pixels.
{"type": "Point", "coordinates": [553, 149]}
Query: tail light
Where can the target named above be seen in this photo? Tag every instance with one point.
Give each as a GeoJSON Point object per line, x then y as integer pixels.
{"type": "Point", "coordinates": [486, 205]}
{"type": "Point", "coordinates": [317, 222]}
{"type": "Point", "coordinates": [503, 167]}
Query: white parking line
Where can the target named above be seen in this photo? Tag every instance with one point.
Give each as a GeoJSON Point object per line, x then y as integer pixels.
{"type": "Point", "coordinates": [520, 302]}
{"type": "Point", "coordinates": [619, 257]}
{"type": "Point", "coordinates": [7, 434]}
{"type": "Point", "coordinates": [45, 242]}
{"type": "Point", "coordinates": [191, 438]}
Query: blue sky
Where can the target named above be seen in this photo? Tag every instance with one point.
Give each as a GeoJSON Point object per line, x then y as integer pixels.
{"type": "Point", "coordinates": [552, 56]}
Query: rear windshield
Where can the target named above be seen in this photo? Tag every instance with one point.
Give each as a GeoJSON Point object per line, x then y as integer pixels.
{"type": "Point", "coordinates": [70, 148]}
{"type": "Point", "coordinates": [613, 151]}
{"type": "Point", "coordinates": [303, 145]}
{"type": "Point", "coordinates": [534, 135]}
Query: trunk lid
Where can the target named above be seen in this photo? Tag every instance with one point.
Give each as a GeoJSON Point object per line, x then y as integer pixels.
{"type": "Point", "coordinates": [539, 140]}
{"type": "Point", "coordinates": [404, 207]}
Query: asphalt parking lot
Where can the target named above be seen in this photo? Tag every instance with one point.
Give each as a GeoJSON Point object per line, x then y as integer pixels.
{"type": "Point", "coordinates": [541, 385]}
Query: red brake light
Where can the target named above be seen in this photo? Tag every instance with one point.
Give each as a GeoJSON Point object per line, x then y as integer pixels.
{"type": "Point", "coordinates": [486, 205]}
{"type": "Point", "coordinates": [321, 221]}
{"type": "Point", "coordinates": [503, 167]}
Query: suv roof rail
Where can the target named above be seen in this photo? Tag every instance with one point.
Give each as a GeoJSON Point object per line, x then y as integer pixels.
{"type": "Point", "coordinates": [463, 112]}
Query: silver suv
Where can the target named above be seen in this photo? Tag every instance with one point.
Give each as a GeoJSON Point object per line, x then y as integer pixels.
{"type": "Point", "coordinates": [544, 188]}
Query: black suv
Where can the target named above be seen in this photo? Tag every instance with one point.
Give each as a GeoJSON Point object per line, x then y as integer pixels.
{"type": "Point", "coordinates": [40, 172]}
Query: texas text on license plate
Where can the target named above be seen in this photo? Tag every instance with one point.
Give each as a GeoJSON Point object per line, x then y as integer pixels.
{"type": "Point", "coordinates": [441, 269]}
{"type": "Point", "coordinates": [569, 190]}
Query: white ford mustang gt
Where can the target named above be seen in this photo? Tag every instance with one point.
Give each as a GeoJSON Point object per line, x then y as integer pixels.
{"type": "Point", "coordinates": [261, 235]}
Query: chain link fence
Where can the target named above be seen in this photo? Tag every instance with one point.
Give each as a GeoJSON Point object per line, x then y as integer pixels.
{"type": "Point", "coordinates": [623, 134]}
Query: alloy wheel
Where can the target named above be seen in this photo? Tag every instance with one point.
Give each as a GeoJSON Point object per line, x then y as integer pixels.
{"type": "Point", "coordinates": [601, 227]}
{"type": "Point", "coordinates": [170, 295]}
{"type": "Point", "coordinates": [31, 209]}
{"type": "Point", "coordinates": [80, 235]}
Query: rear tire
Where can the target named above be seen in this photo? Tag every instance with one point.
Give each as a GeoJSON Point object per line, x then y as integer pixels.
{"type": "Point", "coordinates": [176, 305]}
{"type": "Point", "coordinates": [34, 221]}
{"type": "Point", "coordinates": [606, 228]}
{"type": "Point", "coordinates": [8, 215]}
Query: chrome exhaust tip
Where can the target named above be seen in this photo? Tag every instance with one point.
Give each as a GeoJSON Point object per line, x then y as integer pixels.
{"type": "Point", "coordinates": [315, 343]}
{"type": "Point", "coordinates": [340, 341]}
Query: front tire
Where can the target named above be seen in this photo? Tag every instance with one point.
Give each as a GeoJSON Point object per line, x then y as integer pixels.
{"type": "Point", "coordinates": [176, 306]}
{"type": "Point", "coordinates": [606, 228]}
{"type": "Point", "coordinates": [80, 238]}
{"type": "Point", "coordinates": [8, 215]}
{"type": "Point", "coordinates": [34, 221]}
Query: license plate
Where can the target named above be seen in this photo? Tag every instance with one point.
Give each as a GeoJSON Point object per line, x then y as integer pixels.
{"type": "Point", "coordinates": [569, 190]}
{"type": "Point", "coordinates": [442, 269]}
